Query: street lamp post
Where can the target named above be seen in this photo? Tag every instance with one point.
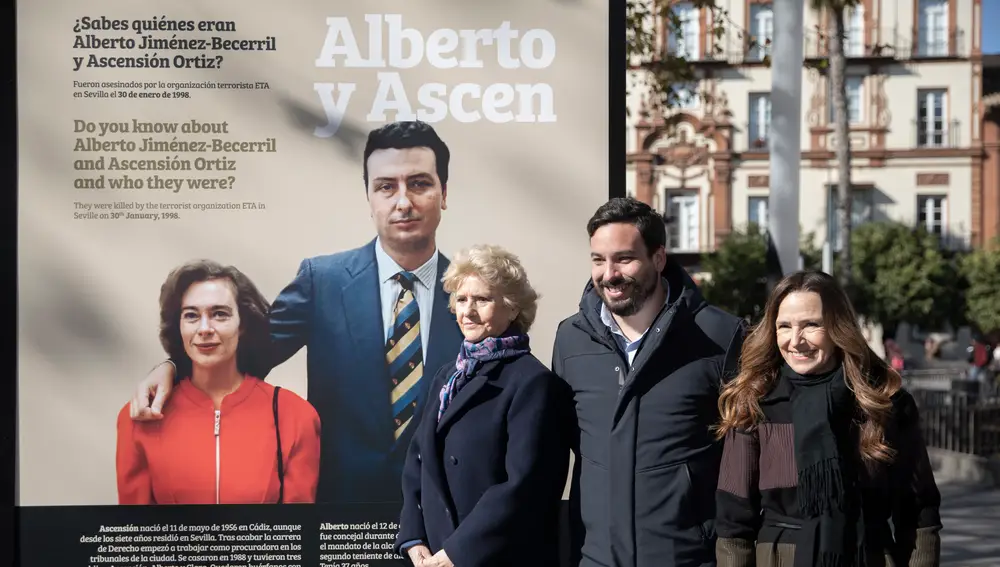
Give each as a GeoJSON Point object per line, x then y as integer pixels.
{"type": "Point", "coordinates": [784, 137]}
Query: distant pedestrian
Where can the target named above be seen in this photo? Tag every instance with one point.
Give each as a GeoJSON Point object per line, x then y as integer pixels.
{"type": "Point", "coordinates": [895, 355]}
{"type": "Point", "coordinates": [980, 356]}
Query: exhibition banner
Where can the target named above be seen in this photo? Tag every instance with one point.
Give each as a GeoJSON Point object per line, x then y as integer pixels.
{"type": "Point", "coordinates": [298, 153]}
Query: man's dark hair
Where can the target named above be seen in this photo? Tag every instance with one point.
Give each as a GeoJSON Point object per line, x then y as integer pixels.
{"type": "Point", "coordinates": [253, 308]}
{"type": "Point", "coordinates": [636, 213]}
{"type": "Point", "coordinates": [403, 135]}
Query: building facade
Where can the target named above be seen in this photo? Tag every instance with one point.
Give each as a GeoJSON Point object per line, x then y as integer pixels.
{"type": "Point", "coordinates": [918, 124]}
{"type": "Point", "coordinates": [991, 148]}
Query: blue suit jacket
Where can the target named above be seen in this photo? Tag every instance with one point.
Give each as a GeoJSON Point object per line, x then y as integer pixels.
{"type": "Point", "coordinates": [333, 307]}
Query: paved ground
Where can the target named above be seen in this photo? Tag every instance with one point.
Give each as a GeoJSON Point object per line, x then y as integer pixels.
{"type": "Point", "coordinates": [971, 518]}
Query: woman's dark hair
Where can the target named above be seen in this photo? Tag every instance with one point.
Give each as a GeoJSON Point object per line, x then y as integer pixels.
{"type": "Point", "coordinates": [254, 310]}
{"type": "Point", "coordinates": [872, 380]}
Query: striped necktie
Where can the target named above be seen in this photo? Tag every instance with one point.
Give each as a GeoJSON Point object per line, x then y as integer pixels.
{"type": "Point", "coordinates": [404, 354]}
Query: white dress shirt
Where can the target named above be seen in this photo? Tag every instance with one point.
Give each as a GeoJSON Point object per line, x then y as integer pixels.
{"type": "Point", "coordinates": [423, 291]}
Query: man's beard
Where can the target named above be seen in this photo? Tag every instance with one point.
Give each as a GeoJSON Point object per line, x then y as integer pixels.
{"type": "Point", "coordinates": [636, 294]}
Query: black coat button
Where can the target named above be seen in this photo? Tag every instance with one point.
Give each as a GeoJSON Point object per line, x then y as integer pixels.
{"type": "Point", "coordinates": [418, 458]}
{"type": "Point", "coordinates": [454, 460]}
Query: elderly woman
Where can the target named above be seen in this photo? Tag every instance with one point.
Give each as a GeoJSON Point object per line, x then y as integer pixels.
{"type": "Point", "coordinates": [486, 468]}
{"type": "Point", "coordinates": [228, 437]}
{"type": "Point", "coordinates": [822, 446]}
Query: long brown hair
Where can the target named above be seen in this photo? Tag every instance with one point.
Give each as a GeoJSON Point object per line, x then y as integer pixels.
{"type": "Point", "coordinates": [868, 376]}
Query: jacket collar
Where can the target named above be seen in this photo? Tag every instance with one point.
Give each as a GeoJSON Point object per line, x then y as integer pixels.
{"type": "Point", "coordinates": [681, 289]}
{"type": "Point", "coordinates": [387, 267]}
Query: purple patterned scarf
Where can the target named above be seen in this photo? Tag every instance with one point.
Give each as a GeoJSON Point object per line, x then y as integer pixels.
{"type": "Point", "coordinates": [472, 355]}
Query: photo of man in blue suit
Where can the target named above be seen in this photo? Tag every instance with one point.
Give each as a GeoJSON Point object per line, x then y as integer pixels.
{"type": "Point", "coordinates": [374, 319]}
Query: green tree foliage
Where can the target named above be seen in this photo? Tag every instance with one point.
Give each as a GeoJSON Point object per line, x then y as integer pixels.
{"type": "Point", "coordinates": [739, 273]}
{"type": "Point", "coordinates": [954, 303]}
{"type": "Point", "coordinates": [738, 270]}
{"type": "Point", "coordinates": [902, 274]}
{"type": "Point", "coordinates": [659, 71]}
{"type": "Point", "coordinates": [812, 255]}
{"type": "Point", "coordinates": [981, 269]}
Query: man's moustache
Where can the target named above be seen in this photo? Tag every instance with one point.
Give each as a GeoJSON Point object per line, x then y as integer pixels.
{"type": "Point", "coordinates": [616, 283]}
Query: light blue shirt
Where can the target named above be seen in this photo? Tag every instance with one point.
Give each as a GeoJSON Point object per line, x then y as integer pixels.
{"type": "Point", "coordinates": [423, 290]}
{"type": "Point", "coordinates": [630, 348]}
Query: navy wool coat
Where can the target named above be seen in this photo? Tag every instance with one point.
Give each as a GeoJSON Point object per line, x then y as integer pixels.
{"type": "Point", "coordinates": [485, 483]}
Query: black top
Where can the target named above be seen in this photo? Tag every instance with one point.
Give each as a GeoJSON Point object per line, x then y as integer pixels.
{"type": "Point", "coordinates": [757, 496]}
{"type": "Point", "coordinates": [644, 478]}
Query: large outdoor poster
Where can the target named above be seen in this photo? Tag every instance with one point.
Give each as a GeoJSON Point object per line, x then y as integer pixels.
{"type": "Point", "coordinates": [261, 169]}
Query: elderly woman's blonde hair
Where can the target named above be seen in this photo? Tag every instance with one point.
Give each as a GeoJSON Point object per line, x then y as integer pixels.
{"type": "Point", "coordinates": [502, 272]}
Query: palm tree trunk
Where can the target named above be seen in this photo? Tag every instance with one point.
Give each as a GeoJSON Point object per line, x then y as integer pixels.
{"type": "Point", "coordinates": [841, 129]}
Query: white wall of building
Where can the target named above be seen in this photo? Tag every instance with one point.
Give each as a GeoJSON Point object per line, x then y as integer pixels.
{"type": "Point", "coordinates": [897, 90]}
{"type": "Point", "coordinates": [894, 194]}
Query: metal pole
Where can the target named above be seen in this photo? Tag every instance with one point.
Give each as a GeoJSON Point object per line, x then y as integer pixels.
{"type": "Point", "coordinates": [785, 133]}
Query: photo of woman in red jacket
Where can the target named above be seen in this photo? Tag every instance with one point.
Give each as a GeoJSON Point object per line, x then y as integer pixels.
{"type": "Point", "coordinates": [227, 437]}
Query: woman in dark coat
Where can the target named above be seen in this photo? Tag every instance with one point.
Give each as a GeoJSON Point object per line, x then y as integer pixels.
{"type": "Point", "coordinates": [487, 466]}
{"type": "Point", "coordinates": [822, 445]}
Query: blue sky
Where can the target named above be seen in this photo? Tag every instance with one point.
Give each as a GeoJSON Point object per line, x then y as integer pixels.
{"type": "Point", "coordinates": [991, 35]}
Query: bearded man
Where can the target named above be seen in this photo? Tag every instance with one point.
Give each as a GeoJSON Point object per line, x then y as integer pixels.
{"type": "Point", "coordinates": [646, 357]}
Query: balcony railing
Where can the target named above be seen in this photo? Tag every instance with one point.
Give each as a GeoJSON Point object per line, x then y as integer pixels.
{"type": "Point", "coordinates": [756, 49]}
{"type": "Point", "coordinates": [934, 43]}
{"type": "Point", "coordinates": [944, 134]}
{"type": "Point", "coordinates": [757, 143]}
{"type": "Point", "coordinates": [880, 44]}
{"type": "Point", "coordinates": [890, 44]}
{"type": "Point", "coordinates": [732, 47]}
{"type": "Point", "coordinates": [751, 139]}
